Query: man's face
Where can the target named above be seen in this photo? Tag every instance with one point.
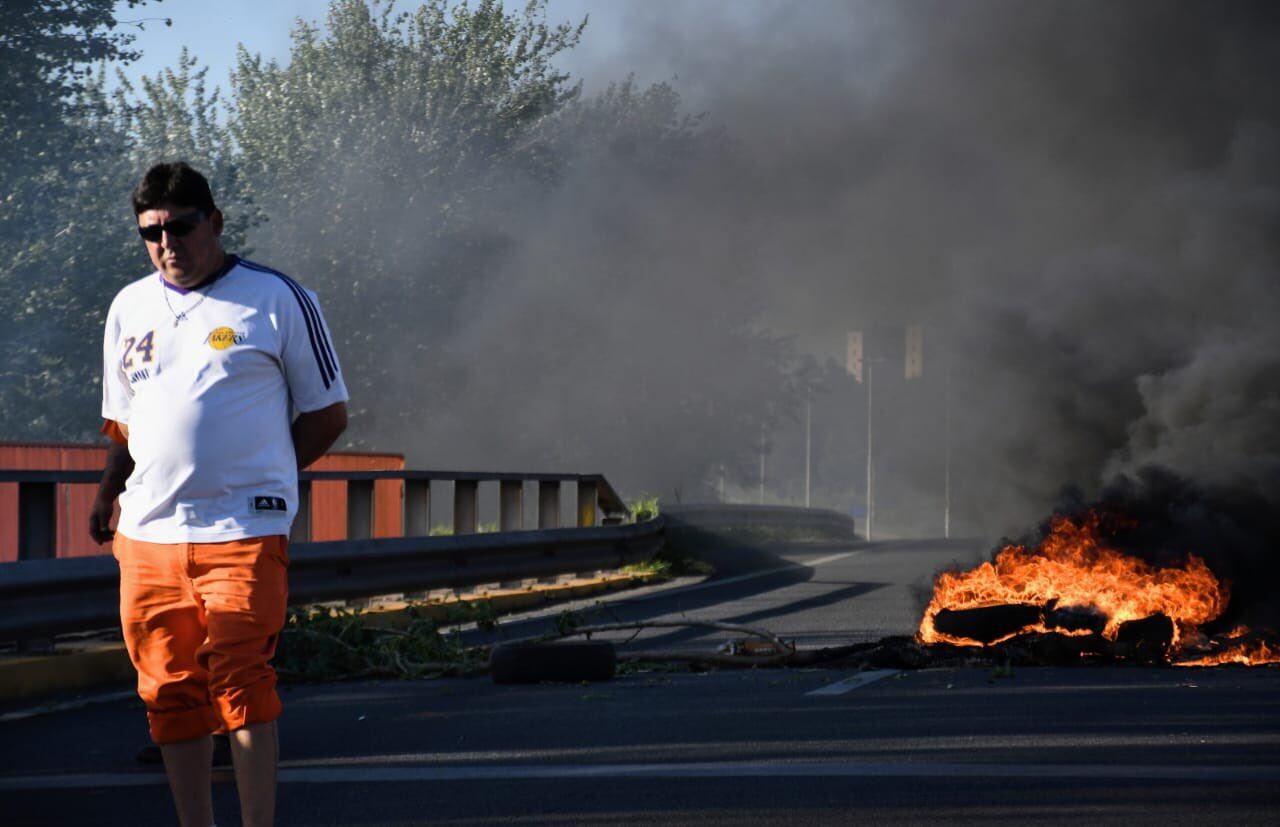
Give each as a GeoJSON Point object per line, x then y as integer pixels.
{"type": "Point", "coordinates": [187, 259]}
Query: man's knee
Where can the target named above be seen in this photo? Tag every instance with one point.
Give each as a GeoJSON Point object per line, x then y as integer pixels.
{"type": "Point", "coordinates": [240, 706]}
{"type": "Point", "coordinates": [237, 657]}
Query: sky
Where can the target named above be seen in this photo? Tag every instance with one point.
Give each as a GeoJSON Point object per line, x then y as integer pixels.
{"type": "Point", "coordinates": [212, 31]}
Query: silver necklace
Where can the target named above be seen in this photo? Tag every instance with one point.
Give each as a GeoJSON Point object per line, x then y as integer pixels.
{"type": "Point", "coordinates": [179, 317]}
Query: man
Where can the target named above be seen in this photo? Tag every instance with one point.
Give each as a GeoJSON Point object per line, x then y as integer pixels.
{"type": "Point", "coordinates": [219, 383]}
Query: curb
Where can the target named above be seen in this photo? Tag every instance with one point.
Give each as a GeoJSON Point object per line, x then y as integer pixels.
{"type": "Point", "coordinates": [28, 677]}
{"type": "Point", "coordinates": [506, 601]}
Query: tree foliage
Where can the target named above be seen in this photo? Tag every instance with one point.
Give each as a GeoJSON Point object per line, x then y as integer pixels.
{"type": "Point", "coordinates": [54, 151]}
{"type": "Point", "coordinates": [67, 242]}
{"type": "Point", "coordinates": [47, 50]}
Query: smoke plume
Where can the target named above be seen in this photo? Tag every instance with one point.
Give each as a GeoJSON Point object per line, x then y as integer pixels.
{"type": "Point", "coordinates": [1079, 201]}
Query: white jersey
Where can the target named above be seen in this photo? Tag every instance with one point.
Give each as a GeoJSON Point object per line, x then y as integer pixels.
{"type": "Point", "coordinates": [208, 382]}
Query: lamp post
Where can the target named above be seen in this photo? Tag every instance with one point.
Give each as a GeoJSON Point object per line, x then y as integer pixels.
{"type": "Point", "coordinates": [856, 363]}
{"type": "Point", "coordinates": [946, 463]}
{"type": "Point", "coordinates": [871, 500]}
{"type": "Point", "coordinates": [762, 442]}
{"type": "Point", "coordinates": [868, 363]}
{"type": "Point", "coordinates": [808, 443]}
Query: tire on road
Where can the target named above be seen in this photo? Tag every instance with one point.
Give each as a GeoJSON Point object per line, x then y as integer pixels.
{"type": "Point", "coordinates": [560, 662]}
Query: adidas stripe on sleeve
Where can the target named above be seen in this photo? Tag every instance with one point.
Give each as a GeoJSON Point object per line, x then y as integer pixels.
{"type": "Point", "coordinates": [310, 362]}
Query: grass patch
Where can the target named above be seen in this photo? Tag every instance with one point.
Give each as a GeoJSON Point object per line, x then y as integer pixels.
{"type": "Point", "coordinates": [447, 531]}
{"type": "Point", "coordinates": [674, 560]}
{"type": "Point", "coordinates": [644, 508]}
{"type": "Point", "coordinates": [657, 568]}
{"type": "Point", "coordinates": [682, 561]}
{"type": "Point", "coordinates": [328, 644]}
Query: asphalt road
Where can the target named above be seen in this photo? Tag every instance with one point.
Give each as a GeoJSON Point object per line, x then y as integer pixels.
{"type": "Point", "coordinates": [1103, 745]}
{"type": "Point", "coordinates": [816, 595]}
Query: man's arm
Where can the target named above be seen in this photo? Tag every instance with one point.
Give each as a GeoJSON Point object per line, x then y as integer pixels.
{"type": "Point", "coordinates": [314, 432]}
{"type": "Point", "coordinates": [119, 467]}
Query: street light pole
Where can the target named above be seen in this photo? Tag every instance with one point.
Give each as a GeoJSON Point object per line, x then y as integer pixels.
{"type": "Point", "coordinates": [946, 431]}
{"type": "Point", "coordinates": [761, 463]}
{"type": "Point", "coordinates": [808, 428]}
{"type": "Point", "coordinates": [871, 501]}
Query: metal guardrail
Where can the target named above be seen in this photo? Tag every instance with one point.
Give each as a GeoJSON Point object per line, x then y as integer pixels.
{"type": "Point", "coordinates": [712, 516]}
{"type": "Point", "coordinates": [42, 595]}
{"type": "Point", "coordinates": [597, 502]}
{"type": "Point", "coordinates": [43, 598]}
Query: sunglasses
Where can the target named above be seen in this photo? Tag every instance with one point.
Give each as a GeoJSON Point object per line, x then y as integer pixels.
{"type": "Point", "coordinates": [176, 227]}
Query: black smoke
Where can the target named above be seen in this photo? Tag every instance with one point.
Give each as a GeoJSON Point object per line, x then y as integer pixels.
{"type": "Point", "coordinates": [1079, 200]}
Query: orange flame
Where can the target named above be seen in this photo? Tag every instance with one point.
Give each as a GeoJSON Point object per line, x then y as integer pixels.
{"type": "Point", "coordinates": [1074, 567]}
{"type": "Point", "coordinates": [1254, 653]}
{"type": "Point", "coordinates": [1237, 650]}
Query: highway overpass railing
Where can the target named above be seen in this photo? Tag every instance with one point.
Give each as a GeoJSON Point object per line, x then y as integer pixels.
{"type": "Point", "coordinates": [596, 502]}
{"type": "Point", "coordinates": [42, 596]}
{"type": "Point", "coordinates": [723, 516]}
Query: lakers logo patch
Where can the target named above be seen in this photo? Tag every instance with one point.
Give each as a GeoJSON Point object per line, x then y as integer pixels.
{"type": "Point", "coordinates": [222, 338]}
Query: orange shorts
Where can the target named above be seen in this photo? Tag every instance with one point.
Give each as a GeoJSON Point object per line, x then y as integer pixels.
{"type": "Point", "coordinates": [201, 622]}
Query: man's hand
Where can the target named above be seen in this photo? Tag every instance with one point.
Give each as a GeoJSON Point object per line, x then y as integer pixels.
{"type": "Point", "coordinates": [100, 520]}
{"type": "Point", "coordinates": [315, 431]}
{"type": "Point", "coordinates": [118, 468]}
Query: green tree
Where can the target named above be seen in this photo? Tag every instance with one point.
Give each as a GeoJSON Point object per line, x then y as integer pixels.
{"type": "Point", "coordinates": [69, 243]}
{"type": "Point", "coordinates": [47, 51]}
{"type": "Point", "coordinates": [53, 152]}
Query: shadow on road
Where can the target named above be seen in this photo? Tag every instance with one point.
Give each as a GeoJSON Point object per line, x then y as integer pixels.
{"type": "Point", "coordinates": [762, 570]}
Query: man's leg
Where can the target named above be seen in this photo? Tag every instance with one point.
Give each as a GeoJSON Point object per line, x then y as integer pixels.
{"type": "Point", "coordinates": [244, 584]}
{"type": "Point", "coordinates": [189, 767]}
{"type": "Point", "coordinates": [255, 751]}
{"type": "Point", "coordinates": [164, 625]}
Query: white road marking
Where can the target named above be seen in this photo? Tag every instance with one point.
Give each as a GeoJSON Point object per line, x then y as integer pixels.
{"type": "Point", "coordinates": [830, 558]}
{"type": "Point", "coordinates": [854, 681]}
{"type": "Point", "coordinates": [752, 769]}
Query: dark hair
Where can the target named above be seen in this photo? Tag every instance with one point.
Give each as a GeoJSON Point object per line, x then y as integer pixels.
{"type": "Point", "coordinates": [173, 182]}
